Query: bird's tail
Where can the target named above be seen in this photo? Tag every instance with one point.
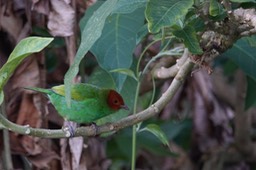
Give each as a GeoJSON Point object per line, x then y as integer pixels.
{"type": "Point", "coordinates": [46, 91]}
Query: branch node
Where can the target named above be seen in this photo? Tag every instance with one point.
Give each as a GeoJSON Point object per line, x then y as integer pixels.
{"type": "Point", "coordinates": [27, 130]}
{"type": "Point", "coordinates": [156, 110]}
{"type": "Point", "coordinates": [111, 127]}
{"type": "Point", "coordinates": [67, 132]}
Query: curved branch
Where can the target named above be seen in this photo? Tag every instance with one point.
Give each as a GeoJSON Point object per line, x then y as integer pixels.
{"type": "Point", "coordinates": [149, 112]}
{"type": "Point", "coordinates": [27, 130]}
{"type": "Point", "coordinates": [125, 122]}
{"type": "Point", "coordinates": [163, 73]}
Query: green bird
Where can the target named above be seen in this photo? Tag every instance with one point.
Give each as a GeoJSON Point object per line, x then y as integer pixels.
{"type": "Point", "coordinates": [88, 102]}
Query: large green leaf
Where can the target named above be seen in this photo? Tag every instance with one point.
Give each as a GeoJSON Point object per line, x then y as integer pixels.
{"type": "Point", "coordinates": [179, 132]}
{"type": "Point", "coordinates": [23, 49]}
{"type": "Point", "coordinates": [161, 13]}
{"type": "Point", "coordinates": [90, 34]}
{"type": "Point", "coordinates": [188, 35]}
{"type": "Point", "coordinates": [197, 24]}
{"type": "Point", "coordinates": [120, 147]}
{"type": "Point", "coordinates": [115, 47]}
{"type": "Point", "coordinates": [124, 6]}
{"type": "Point", "coordinates": [100, 74]}
{"type": "Point", "coordinates": [157, 131]}
{"type": "Point", "coordinates": [244, 55]}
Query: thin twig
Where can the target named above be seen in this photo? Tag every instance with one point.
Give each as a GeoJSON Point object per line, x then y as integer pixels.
{"type": "Point", "coordinates": [6, 151]}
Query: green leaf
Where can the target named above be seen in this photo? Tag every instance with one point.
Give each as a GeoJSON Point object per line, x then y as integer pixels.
{"type": "Point", "coordinates": [1, 97]}
{"type": "Point", "coordinates": [198, 24]}
{"type": "Point", "coordinates": [242, 1]}
{"type": "Point", "coordinates": [229, 67]}
{"type": "Point", "coordinates": [100, 74]}
{"type": "Point", "coordinates": [252, 42]}
{"type": "Point", "coordinates": [23, 49]}
{"type": "Point", "coordinates": [157, 131]}
{"type": "Point", "coordinates": [250, 99]}
{"type": "Point", "coordinates": [161, 13]}
{"type": "Point", "coordinates": [179, 132]}
{"type": "Point", "coordinates": [120, 146]}
{"type": "Point", "coordinates": [125, 71]}
{"type": "Point", "coordinates": [215, 8]}
{"type": "Point", "coordinates": [244, 55]}
{"type": "Point", "coordinates": [114, 49]}
{"type": "Point", "coordinates": [90, 34]}
{"type": "Point", "coordinates": [141, 34]}
{"type": "Point", "coordinates": [124, 6]}
{"type": "Point", "coordinates": [188, 35]}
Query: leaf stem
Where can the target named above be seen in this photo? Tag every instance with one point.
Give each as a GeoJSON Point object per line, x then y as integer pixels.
{"type": "Point", "coordinates": [144, 51]}
{"type": "Point", "coordinates": [134, 127]}
{"type": "Point", "coordinates": [172, 52]}
{"type": "Point", "coordinates": [153, 91]}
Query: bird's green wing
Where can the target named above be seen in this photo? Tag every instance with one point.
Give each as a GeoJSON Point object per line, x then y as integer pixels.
{"type": "Point", "coordinates": [79, 91]}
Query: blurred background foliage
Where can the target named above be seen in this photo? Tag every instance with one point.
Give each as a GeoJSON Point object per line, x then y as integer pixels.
{"type": "Point", "coordinates": [199, 122]}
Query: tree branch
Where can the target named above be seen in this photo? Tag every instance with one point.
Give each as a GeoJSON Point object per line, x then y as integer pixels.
{"type": "Point", "coordinates": [163, 73]}
{"type": "Point", "coordinates": [149, 112]}
{"type": "Point", "coordinates": [125, 122]}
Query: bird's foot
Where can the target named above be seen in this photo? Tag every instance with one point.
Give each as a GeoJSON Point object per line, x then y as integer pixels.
{"type": "Point", "coordinates": [69, 129]}
{"type": "Point", "coordinates": [95, 128]}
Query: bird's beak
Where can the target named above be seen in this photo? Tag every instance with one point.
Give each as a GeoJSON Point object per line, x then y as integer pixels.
{"type": "Point", "coordinates": [125, 107]}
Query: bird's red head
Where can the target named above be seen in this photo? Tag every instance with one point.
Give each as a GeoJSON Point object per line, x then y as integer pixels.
{"type": "Point", "coordinates": [115, 101]}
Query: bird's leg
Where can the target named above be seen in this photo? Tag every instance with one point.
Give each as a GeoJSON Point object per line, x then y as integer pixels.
{"type": "Point", "coordinates": [69, 128]}
{"type": "Point", "coordinates": [95, 128]}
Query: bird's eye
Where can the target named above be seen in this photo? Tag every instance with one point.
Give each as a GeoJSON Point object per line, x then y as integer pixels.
{"type": "Point", "coordinates": [115, 101]}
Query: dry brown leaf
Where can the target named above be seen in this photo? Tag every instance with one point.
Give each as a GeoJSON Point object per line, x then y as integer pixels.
{"type": "Point", "coordinates": [73, 152]}
{"type": "Point", "coordinates": [211, 117]}
{"type": "Point", "coordinates": [10, 21]}
{"type": "Point", "coordinates": [65, 154]}
{"type": "Point", "coordinates": [172, 108]}
{"type": "Point", "coordinates": [27, 74]}
{"type": "Point", "coordinates": [76, 148]}
{"type": "Point", "coordinates": [41, 6]}
{"type": "Point", "coordinates": [43, 159]}
{"type": "Point", "coordinates": [61, 19]}
{"type": "Point", "coordinates": [96, 156]}
{"type": "Point", "coordinates": [29, 115]}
